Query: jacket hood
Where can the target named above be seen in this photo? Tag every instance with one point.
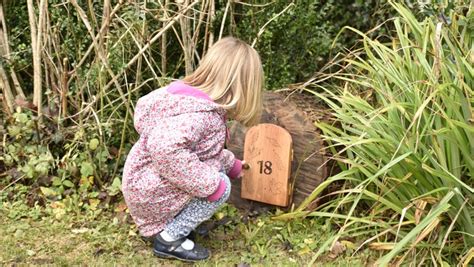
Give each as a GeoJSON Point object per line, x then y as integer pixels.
{"type": "Point", "coordinates": [176, 99]}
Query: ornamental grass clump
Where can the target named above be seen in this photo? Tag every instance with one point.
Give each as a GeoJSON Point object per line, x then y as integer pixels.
{"type": "Point", "coordinates": [404, 139]}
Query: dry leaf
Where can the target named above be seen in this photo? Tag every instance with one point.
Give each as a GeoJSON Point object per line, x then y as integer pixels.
{"type": "Point", "coordinates": [381, 246]}
{"type": "Point", "coordinates": [337, 249]}
{"type": "Point", "coordinates": [420, 209]}
{"type": "Point", "coordinates": [80, 230]}
{"type": "Point", "coordinates": [121, 207]}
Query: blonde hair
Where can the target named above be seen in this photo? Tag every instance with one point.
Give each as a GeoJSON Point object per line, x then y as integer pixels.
{"type": "Point", "coordinates": [231, 74]}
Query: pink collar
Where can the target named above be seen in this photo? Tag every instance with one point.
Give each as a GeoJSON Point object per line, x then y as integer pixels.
{"type": "Point", "coordinates": [180, 88]}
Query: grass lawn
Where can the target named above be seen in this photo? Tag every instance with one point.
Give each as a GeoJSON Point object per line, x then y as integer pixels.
{"type": "Point", "coordinates": [56, 235]}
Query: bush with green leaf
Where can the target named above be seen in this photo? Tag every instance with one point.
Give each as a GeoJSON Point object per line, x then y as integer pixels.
{"type": "Point", "coordinates": [404, 139]}
{"type": "Point", "coordinates": [299, 41]}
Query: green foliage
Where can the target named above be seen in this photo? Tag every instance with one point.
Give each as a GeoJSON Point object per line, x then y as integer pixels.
{"type": "Point", "coordinates": [27, 153]}
{"type": "Point", "coordinates": [299, 42]}
{"type": "Point", "coordinates": [405, 141]}
{"type": "Point", "coordinates": [72, 166]}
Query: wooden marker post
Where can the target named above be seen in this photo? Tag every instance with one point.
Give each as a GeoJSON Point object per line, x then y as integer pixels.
{"type": "Point", "coordinates": [268, 153]}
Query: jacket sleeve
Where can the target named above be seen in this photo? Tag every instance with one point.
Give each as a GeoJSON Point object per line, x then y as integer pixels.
{"type": "Point", "coordinates": [232, 165]}
{"type": "Point", "coordinates": [170, 146]}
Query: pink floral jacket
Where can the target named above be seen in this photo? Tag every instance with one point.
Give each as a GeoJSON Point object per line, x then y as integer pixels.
{"type": "Point", "coordinates": [178, 156]}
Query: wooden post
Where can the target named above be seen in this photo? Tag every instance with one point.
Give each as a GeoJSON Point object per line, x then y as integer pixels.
{"type": "Point", "coordinates": [268, 153]}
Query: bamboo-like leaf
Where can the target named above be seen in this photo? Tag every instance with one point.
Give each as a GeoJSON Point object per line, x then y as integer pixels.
{"type": "Point", "coordinates": [381, 246]}
{"type": "Point", "coordinates": [441, 208]}
{"type": "Point", "coordinates": [423, 110]}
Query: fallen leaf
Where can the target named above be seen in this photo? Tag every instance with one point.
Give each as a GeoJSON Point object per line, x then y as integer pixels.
{"type": "Point", "coordinates": [30, 252]}
{"type": "Point", "coordinates": [57, 205]}
{"type": "Point", "coordinates": [305, 250]}
{"type": "Point", "coordinates": [219, 215]}
{"type": "Point", "coordinates": [80, 230]}
{"type": "Point", "coordinates": [99, 251]}
{"type": "Point", "coordinates": [121, 207]}
{"type": "Point", "coordinates": [381, 246]}
{"type": "Point", "coordinates": [420, 209]}
{"type": "Point", "coordinates": [24, 103]}
{"type": "Point", "coordinates": [47, 191]}
{"type": "Point", "coordinates": [94, 202]}
{"type": "Point", "coordinates": [337, 249]}
{"type": "Point", "coordinates": [348, 244]}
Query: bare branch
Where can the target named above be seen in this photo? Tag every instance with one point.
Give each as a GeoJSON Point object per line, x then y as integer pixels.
{"type": "Point", "coordinates": [5, 52]}
{"type": "Point", "coordinates": [260, 32]}
{"type": "Point", "coordinates": [152, 41]}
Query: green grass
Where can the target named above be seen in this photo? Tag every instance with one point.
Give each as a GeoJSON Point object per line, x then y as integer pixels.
{"type": "Point", "coordinates": [52, 235]}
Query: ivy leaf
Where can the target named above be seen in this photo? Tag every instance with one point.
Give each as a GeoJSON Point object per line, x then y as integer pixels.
{"type": "Point", "coordinates": [22, 117]}
{"type": "Point", "coordinates": [56, 181]}
{"type": "Point", "coordinates": [68, 183]}
{"type": "Point", "coordinates": [84, 184]}
{"type": "Point", "coordinates": [93, 203]}
{"type": "Point", "coordinates": [48, 192]}
{"type": "Point", "coordinates": [86, 169]}
{"type": "Point", "coordinates": [28, 170]}
{"type": "Point", "coordinates": [115, 187]}
{"type": "Point", "coordinates": [14, 130]}
{"type": "Point", "coordinates": [93, 144]}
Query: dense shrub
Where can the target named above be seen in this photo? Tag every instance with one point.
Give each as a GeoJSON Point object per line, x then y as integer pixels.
{"type": "Point", "coordinates": [300, 41]}
{"type": "Point", "coordinates": [404, 140]}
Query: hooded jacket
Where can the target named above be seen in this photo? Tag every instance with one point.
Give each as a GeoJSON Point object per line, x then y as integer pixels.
{"type": "Point", "coordinates": [179, 155]}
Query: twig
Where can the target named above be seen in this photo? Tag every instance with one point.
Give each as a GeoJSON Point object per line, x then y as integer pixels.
{"type": "Point", "coordinates": [185, 35]}
{"type": "Point", "coordinates": [99, 51]}
{"type": "Point", "coordinates": [7, 91]}
{"type": "Point", "coordinates": [6, 51]}
{"type": "Point", "coordinates": [122, 141]}
{"type": "Point", "coordinates": [212, 17]}
{"type": "Point", "coordinates": [88, 105]}
{"type": "Point", "coordinates": [91, 47]}
{"type": "Point", "coordinates": [12, 183]}
{"type": "Point", "coordinates": [260, 32]}
{"type": "Point", "coordinates": [223, 19]}
{"type": "Point", "coordinates": [147, 46]}
{"type": "Point", "coordinates": [64, 87]}
{"type": "Point", "coordinates": [36, 53]}
{"type": "Point", "coordinates": [106, 16]}
{"type": "Point", "coordinates": [139, 46]}
{"type": "Point", "coordinates": [164, 40]}
{"type": "Point", "coordinates": [254, 5]}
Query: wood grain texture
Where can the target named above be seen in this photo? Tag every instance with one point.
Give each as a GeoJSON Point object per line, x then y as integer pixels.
{"type": "Point", "coordinates": [268, 153]}
{"type": "Point", "coordinates": [308, 166]}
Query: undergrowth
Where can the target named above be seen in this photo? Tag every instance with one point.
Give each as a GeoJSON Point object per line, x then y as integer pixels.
{"type": "Point", "coordinates": [61, 234]}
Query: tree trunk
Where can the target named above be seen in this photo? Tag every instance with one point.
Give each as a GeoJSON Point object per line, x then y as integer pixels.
{"type": "Point", "coordinates": [309, 162]}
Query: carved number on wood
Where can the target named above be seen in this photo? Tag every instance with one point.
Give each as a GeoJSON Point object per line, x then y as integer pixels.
{"type": "Point", "coordinates": [265, 167]}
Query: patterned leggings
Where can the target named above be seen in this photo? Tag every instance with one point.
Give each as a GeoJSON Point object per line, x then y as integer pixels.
{"type": "Point", "coordinates": [195, 212]}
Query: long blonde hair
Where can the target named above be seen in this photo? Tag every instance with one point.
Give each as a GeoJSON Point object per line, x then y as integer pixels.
{"type": "Point", "coordinates": [231, 74]}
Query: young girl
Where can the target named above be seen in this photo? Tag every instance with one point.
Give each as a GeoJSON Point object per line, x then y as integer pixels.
{"type": "Point", "coordinates": [176, 175]}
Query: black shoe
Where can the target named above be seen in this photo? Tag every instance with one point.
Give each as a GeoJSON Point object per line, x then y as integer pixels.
{"type": "Point", "coordinates": [202, 232]}
{"type": "Point", "coordinates": [173, 249]}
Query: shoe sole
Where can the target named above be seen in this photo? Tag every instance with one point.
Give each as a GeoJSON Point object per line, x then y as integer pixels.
{"type": "Point", "coordinates": [169, 256]}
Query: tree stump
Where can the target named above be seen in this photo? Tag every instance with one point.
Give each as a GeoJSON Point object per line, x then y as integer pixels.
{"type": "Point", "coordinates": [308, 166]}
